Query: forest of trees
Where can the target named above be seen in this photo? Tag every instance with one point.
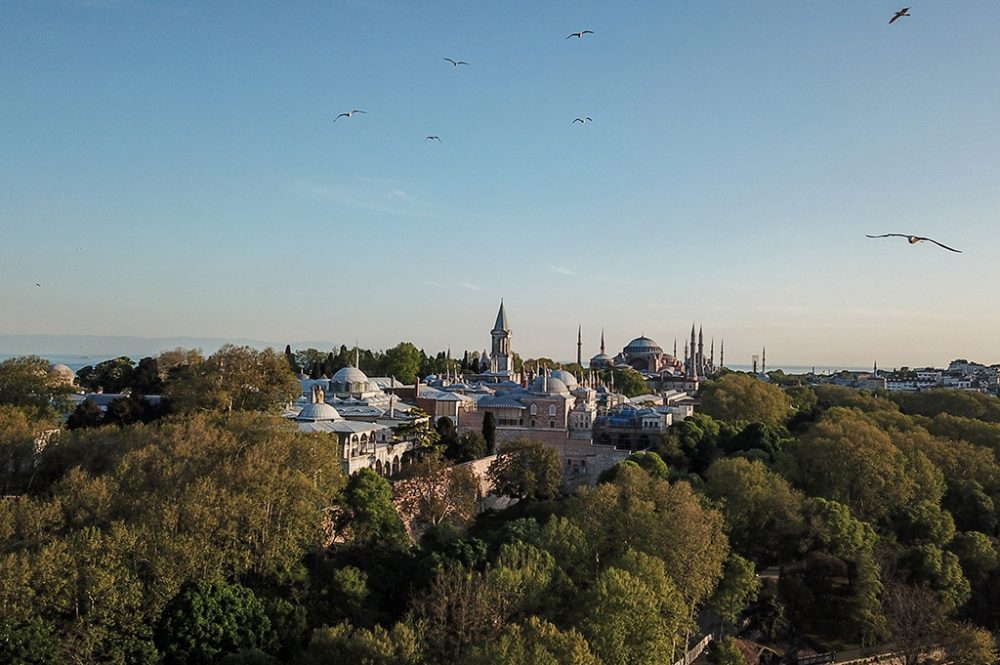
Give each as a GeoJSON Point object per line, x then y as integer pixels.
{"type": "Point", "coordinates": [217, 533]}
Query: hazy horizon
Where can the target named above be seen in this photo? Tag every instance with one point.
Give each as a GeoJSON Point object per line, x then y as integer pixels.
{"type": "Point", "coordinates": [174, 170]}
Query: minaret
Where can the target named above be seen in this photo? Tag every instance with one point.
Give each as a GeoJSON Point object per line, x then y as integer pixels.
{"type": "Point", "coordinates": [602, 341]}
{"type": "Point", "coordinates": [675, 348]}
{"type": "Point", "coordinates": [579, 345]}
{"type": "Point", "coordinates": [701, 353]}
{"type": "Point", "coordinates": [501, 334]}
{"type": "Point", "coordinates": [722, 353]}
{"type": "Point", "coordinates": [692, 367]}
{"type": "Point", "coordinates": [763, 360]}
{"type": "Point", "coordinates": [711, 354]}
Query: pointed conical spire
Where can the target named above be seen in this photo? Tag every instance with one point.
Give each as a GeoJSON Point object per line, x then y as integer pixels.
{"type": "Point", "coordinates": [501, 324]}
{"type": "Point", "coordinates": [579, 345]}
{"type": "Point", "coordinates": [722, 353]}
{"type": "Point", "coordinates": [602, 341]}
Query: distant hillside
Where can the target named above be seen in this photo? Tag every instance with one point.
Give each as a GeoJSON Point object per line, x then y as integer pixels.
{"type": "Point", "coordinates": [136, 347]}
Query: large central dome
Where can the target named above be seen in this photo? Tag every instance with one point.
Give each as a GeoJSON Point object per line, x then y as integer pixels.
{"type": "Point", "coordinates": [643, 345]}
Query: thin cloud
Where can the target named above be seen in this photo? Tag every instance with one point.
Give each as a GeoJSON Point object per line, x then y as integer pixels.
{"type": "Point", "coordinates": [562, 271]}
{"type": "Point", "coordinates": [430, 282]}
{"type": "Point", "coordinates": [364, 194]}
{"type": "Point", "coordinates": [473, 287]}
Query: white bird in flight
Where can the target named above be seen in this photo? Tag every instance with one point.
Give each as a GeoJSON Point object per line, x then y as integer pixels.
{"type": "Point", "coordinates": [579, 35]}
{"type": "Point", "coordinates": [905, 11]}
{"type": "Point", "coordinates": [349, 114]}
{"type": "Point", "coordinates": [456, 63]}
{"type": "Point", "coordinates": [913, 240]}
{"type": "Point", "coordinates": [584, 119]}
{"type": "Point", "coordinates": [433, 138]}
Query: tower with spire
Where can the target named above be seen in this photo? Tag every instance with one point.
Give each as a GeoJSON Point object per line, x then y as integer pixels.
{"type": "Point", "coordinates": [701, 353]}
{"type": "Point", "coordinates": [500, 356]}
{"type": "Point", "coordinates": [579, 345]}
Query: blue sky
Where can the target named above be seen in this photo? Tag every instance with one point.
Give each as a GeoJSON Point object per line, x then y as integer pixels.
{"type": "Point", "coordinates": [171, 168]}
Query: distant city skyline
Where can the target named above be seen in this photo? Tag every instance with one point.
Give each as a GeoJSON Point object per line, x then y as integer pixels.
{"type": "Point", "coordinates": [174, 170]}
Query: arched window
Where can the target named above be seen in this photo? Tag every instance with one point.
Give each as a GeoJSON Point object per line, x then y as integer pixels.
{"type": "Point", "coordinates": [534, 409]}
{"type": "Point", "coordinates": [552, 411]}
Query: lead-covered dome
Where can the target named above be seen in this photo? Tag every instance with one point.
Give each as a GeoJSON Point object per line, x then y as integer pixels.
{"type": "Point", "coordinates": [317, 412]}
{"type": "Point", "coordinates": [349, 374]}
{"type": "Point", "coordinates": [549, 386]}
{"type": "Point", "coordinates": [643, 344]}
{"type": "Point", "coordinates": [565, 377]}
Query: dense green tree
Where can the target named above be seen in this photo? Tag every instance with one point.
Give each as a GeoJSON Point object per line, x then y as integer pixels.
{"type": "Point", "coordinates": [830, 527]}
{"type": "Point", "coordinates": [205, 621]}
{"type": "Point", "coordinates": [627, 381]}
{"type": "Point", "coordinates": [234, 379]}
{"type": "Point", "coordinates": [535, 642]}
{"type": "Point", "coordinates": [490, 432]}
{"type": "Point", "coordinates": [971, 430]}
{"type": "Point", "coordinates": [293, 364]}
{"type": "Point", "coordinates": [931, 567]}
{"type": "Point", "coordinates": [744, 398]}
{"type": "Point", "coordinates": [527, 578]}
{"type": "Point", "coordinates": [112, 376]}
{"type": "Point", "coordinates": [654, 517]}
{"type": "Point", "coordinates": [924, 522]}
{"type": "Point", "coordinates": [829, 396]}
{"type": "Point", "coordinates": [726, 652]}
{"type": "Point", "coordinates": [526, 469]}
{"type": "Point", "coordinates": [978, 556]}
{"type": "Point", "coordinates": [146, 379]}
{"type": "Point", "coordinates": [86, 414]}
{"type": "Point", "coordinates": [27, 643]}
{"type": "Point", "coordinates": [970, 505]}
{"type": "Point", "coordinates": [737, 589]}
{"type": "Point", "coordinates": [847, 458]}
{"type": "Point", "coordinates": [374, 521]}
{"type": "Point", "coordinates": [400, 645]}
{"type": "Point", "coordinates": [26, 381]}
{"type": "Point", "coordinates": [403, 362]}
{"type": "Point", "coordinates": [762, 510]}
{"type": "Point", "coordinates": [693, 443]}
{"type": "Point", "coordinates": [957, 403]}
{"type": "Point", "coordinates": [466, 447]}
{"type": "Point", "coordinates": [623, 623]}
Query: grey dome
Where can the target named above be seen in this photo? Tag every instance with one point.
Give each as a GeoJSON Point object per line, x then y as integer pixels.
{"type": "Point", "coordinates": [66, 374]}
{"type": "Point", "coordinates": [318, 411]}
{"type": "Point", "coordinates": [349, 375]}
{"type": "Point", "coordinates": [555, 386]}
{"type": "Point", "coordinates": [643, 345]}
{"type": "Point", "coordinates": [565, 377]}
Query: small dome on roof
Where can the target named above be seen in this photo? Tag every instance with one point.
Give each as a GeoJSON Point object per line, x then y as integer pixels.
{"type": "Point", "coordinates": [349, 374]}
{"type": "Point", "coordinates": [553, 387]}
{"type": "Point", "coordinates": [565, 377]}
{"type": "Point", "coordinates": [318, 411]}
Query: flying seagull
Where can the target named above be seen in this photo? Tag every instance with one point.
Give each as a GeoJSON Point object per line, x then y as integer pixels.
{"type": "Point", "coordinates": [349, 114]}
{"type": "Point", "coordinates": [579, 35]}
{"type": "Point", "coordinates": [456, 63]}
{"type": "Point", "coordinates": [433, 138]}
{"type": "Point", "coordinates": [905, 11]}
{"type": "Point", "coordinates": [913, 240]}
{"type": "Point", "coordinates": [583, 120]}
{"type": "Point", "coordinates": [38, 285]}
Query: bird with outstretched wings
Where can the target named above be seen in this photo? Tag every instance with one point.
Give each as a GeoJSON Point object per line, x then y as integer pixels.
{"type": "Point", "coordinates": [913, 240]}
{"type": "Point", "coordinates": [905, 11]}
{"type": "Point", "coordinates": [348, 114]}
{"type": "Point", "coordinates": [579, 35]}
